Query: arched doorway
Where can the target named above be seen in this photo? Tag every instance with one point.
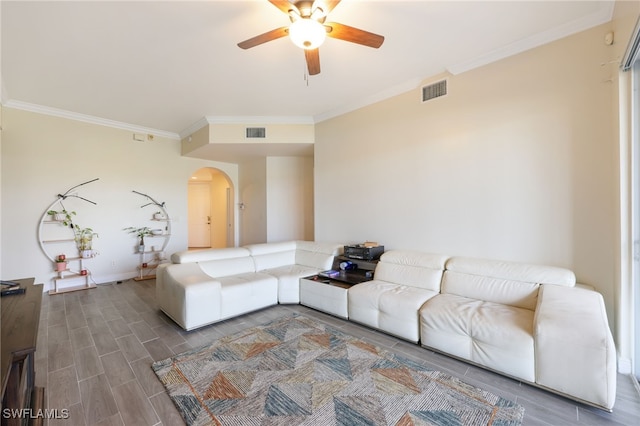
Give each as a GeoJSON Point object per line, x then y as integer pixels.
{"type": "Point", "coordinates": [210, 209]}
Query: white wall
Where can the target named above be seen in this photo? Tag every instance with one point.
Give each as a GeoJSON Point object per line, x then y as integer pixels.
{"type": "Point", "coordinates": [518, 162]}
{"type": "Point", "coordinates": [289, 198]}
{"type": "Point", "coordinates": [43, 156]}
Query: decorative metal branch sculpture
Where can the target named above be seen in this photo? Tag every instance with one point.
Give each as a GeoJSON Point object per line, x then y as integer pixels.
{"type": "Point", "coordinates": [67, 194]}
{"type": "Point", "coordinates": [154, 202]}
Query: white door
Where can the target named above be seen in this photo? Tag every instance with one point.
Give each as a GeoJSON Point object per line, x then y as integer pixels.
{"type": "Point", "coordinates": [199, 194]}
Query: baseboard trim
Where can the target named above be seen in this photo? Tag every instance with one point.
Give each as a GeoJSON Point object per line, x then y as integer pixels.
{"type": "Point", "coordinates": [624, 365]}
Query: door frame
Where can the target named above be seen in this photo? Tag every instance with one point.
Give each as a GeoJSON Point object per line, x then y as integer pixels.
{"type": "Point", "coordinates": [212, 174]}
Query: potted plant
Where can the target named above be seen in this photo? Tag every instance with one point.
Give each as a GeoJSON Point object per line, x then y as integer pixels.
{"type": "Point", "coordinates": [63, 216]}
{"type": "Point", "coordinates": [61, 263]}
{"type": "Point", "coordinates": [140, 233]}
{"type": "Point", "coordinates": [84, 240]}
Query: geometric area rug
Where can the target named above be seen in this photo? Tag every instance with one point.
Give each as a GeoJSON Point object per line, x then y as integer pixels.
{"type": "Point", "coordinates": [297, 371]}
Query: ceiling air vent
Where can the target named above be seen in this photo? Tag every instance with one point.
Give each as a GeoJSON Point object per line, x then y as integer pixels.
{"type": "Point", "coordinates": [434, 90]}
{"type": "Point", "coordinates": [256, 132]}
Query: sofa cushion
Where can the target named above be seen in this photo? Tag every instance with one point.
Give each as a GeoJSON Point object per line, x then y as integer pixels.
{"type": "Point", "coordinates": [412, 268]}
{"type": "Point", "coordinates": [316, 255]}
{"type": "Point", "coordinates": [247, 292]}
{"type": "Point", "coordinates": [289, 281]}
{"type": "Point", "coordinates": [389, 307]}
{"type": "Point", "coordinates": [230, 266]}
{"type": "Point", "coordinates": [497, 336]}
{"type": "Point", "coordinates": [515, 271]}
{"type": "Point", "coordinates": [364, 301]}
{"type": "Point", "coordinates": [188, 256]}
{"type": "Point", "coordinates": [507, 283]}
{"type": "Point", "coordinates": [272, 255]}
{"type": "Point", "coordinates": [399, 309]}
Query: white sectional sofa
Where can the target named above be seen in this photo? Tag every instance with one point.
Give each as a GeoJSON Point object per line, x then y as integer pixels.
{"type": "Point", "coordinates": [205, 286]}
{"type": "Point", "coordinates": [529, 322]}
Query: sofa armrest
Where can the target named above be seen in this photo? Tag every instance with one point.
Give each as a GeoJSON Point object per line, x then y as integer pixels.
{"type": "Point", "coordinates": [186, 285]}
{"type": "Point", "coordinates": [574, 349]}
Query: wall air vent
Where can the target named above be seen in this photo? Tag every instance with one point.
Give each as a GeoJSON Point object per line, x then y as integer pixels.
{"type": "Point", "coordinates": [256, 132]}
{"type": "Point", "coordinates": [434, 90]}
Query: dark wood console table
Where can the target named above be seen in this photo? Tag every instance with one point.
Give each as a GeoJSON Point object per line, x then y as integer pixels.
{"type": "Point", "coordinates": [20, 319]}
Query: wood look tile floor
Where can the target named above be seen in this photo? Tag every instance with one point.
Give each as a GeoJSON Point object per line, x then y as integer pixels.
{"type": "Point", "coordinates": [95, 348]}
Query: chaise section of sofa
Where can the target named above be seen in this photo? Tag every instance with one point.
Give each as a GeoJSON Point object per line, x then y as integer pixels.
{"type": "Point", "coordinates": [485, 313]}
{"type": "Point", "coordinates": [207, 286]}
{"type": "Point", "coordinates": [526, 321]}
{"type": "Point", "coordinates": [404, 281]}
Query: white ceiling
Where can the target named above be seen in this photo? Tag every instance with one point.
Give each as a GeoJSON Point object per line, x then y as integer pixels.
{"type": "Point", "coordinates": [163, 66]}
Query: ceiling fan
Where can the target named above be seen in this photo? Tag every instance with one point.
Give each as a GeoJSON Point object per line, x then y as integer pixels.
{"type": "Point", "coordinates": [308, 30]}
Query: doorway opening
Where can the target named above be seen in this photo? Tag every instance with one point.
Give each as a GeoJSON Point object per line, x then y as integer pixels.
{"type": "Point", "coordinates": [210, 209]}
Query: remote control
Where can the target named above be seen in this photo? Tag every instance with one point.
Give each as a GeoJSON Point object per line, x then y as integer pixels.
{"type": "Point", "coordinates": [11, 291]}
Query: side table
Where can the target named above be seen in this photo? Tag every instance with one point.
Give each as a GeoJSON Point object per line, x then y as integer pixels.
{"type": "Point", "coordinates": [329, 295]}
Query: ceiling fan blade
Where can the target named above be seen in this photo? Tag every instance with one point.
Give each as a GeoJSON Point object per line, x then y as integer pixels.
{"type": "Point", "coordinates": [313, 61]}
{"type": "Point", "coordinates": [329, 5]}
{"type": "Point", "coordinates": [263, 38]}
{"type": "Point", "coordinates": [283, 5]}
{"type": "Point", "coordinates": [354, 35]}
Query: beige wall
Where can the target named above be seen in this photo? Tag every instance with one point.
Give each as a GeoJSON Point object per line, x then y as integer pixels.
{"type": "Point", "coordinates": [518, 162]}
{"type": "Point", "coordinates": [289, 198]}
{"type": "Point", "coordinates": [253, 196]}
{"type": "Point", "coordinates": [277, 193]}
{"type": "Point", "coordinates": [43, 156]}
{"type": "Point", "coordinates": [219, 220]}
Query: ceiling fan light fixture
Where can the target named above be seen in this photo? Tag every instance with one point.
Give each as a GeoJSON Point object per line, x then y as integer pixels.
{"type": "Point", "coordinates": [307, 33]}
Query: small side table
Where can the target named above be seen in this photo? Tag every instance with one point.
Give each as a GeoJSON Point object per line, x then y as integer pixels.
{"type": "Point", "coordinates": [329, 295]}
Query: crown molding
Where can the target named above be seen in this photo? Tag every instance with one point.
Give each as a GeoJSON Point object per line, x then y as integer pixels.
{"type": "Point", "coordinates": [370, 100]}
{"type": "Point", "coordinates": [70, 115]}
{"type": "Point", "coordinates": [194, 128]}
{"type": "Point", "coordinates": [601, 16]}
{"type": "Point", "coordinates": [248, 120]}
{"type": "Point", "coordinates": [260, 119]}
